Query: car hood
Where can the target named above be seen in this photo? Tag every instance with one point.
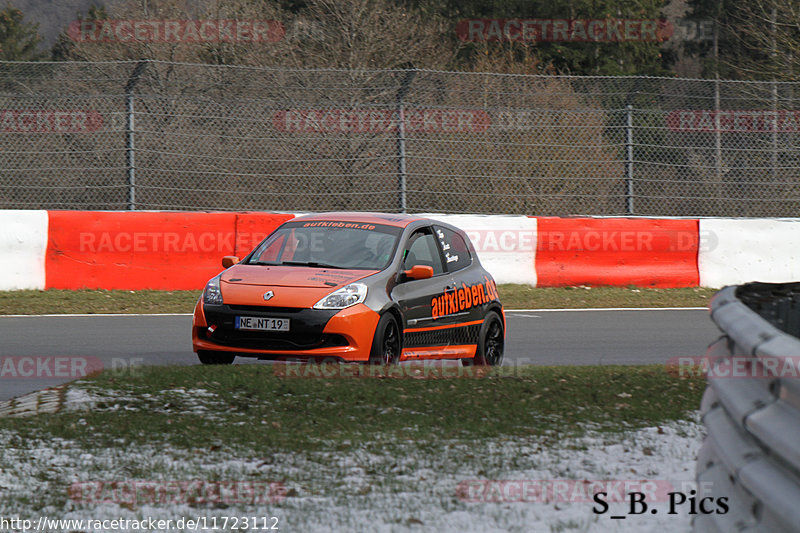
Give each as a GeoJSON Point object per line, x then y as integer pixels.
{"type": "Point", "coordinates": [294, 286]}
{"type": "Point", "coordinates": [292, 276]}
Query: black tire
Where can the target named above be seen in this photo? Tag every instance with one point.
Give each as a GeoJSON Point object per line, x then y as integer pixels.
{"type": "Point", "coordinates": [215, 358]}
{"type": "Point", "coordinates": [491, 342]}
{"type": "Point", "coordinates": [386, 344]}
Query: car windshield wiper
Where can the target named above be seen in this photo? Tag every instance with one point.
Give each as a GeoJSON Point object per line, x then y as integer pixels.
{"type": "Point", "coordinates": [316, 264]}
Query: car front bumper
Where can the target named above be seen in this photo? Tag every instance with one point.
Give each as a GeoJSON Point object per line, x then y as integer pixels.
{"type": "Point", "coordinates": [346, 334]}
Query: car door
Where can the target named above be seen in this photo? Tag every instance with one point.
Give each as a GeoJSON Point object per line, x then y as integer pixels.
{"type": "Point", "coordinates": [425, 325]}
{"type": "Point", "coordinates": [470, 288]}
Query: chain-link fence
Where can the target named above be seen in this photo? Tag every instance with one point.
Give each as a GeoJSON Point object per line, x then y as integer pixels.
{"type": "Point", "coordinates": [155, 135]}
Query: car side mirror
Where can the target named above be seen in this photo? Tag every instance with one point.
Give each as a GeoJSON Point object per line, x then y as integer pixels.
{"type": "Point", "coordinates": [229, 260]}
{"type": "Point", "coordinates": [419, 272]}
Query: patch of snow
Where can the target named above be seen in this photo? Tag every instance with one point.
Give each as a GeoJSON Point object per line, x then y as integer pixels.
{"type": "Point", "coordinates": [385, 486]}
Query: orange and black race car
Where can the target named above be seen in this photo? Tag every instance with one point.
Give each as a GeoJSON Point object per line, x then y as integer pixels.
{"type": "Point", "coordinates": [365, 287]}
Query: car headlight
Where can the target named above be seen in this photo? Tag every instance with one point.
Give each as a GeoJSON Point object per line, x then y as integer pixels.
{"type": "Point", "coordinates": [213, 294]}
{"type": "Point", "coordinates": [347, 296]}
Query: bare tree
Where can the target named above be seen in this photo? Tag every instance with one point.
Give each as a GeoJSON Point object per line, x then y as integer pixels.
{"type": "Point", "coordinates": [370, 34]}
{"type": "Point", "coordinates": [764, 39]}
{"type": "Point", "coordinates": [348, 34]}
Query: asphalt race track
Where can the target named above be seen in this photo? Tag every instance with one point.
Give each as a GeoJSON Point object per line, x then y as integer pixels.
{"type": "Point", "coordinates": [548, 337]}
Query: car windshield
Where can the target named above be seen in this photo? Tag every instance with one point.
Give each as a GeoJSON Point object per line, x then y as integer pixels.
{"type": "Point", "coordinates": [333, 244]}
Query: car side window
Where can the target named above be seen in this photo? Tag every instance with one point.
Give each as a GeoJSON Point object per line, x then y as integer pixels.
{"type": "Point", "coordinates": [273, 251]}
{"type": "Point", "coordinates": [454, 249]}
{"type": "Point", "coordinates": [421, 249]}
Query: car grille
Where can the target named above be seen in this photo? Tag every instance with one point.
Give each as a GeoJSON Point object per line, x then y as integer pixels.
{"type": "Point", "coordinates": [256, 340]}
{"type": "Point", "coordinates": [306, 329]}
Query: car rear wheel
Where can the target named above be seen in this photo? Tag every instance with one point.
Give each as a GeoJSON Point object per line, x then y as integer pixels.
{"type": "Point", "coordinates": [215, 358]}
{"type": "Point", "coordinates": [386, 343]}
{"type": "Point", "coordinates": [491, 342]}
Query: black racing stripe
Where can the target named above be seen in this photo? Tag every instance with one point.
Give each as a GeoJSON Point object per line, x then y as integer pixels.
{"type": "Point", "coordinates": [443, 337]}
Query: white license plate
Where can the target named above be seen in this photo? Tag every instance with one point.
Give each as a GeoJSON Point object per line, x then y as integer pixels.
{"type": "Point", "coordinates": [262, 324]}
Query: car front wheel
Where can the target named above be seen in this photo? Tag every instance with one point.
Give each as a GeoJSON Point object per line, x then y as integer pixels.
{"type": "Point", "coordinates": [215, 358]}
{"type": "Point", "coordinates": [386, 343]}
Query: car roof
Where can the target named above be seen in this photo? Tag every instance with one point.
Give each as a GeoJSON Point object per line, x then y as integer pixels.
{"type": "Point", "coordinates": [389, 219]}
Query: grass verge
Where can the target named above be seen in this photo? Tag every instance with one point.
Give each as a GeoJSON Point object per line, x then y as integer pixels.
{"type": "Point", "coordinates": [527, 297]}
{"type": "Point", "coordinates": [352, 454]}
{"type": "Point", "coordinates": [252, 407]}
{"type": "Point", "coordinates": [31, 302]}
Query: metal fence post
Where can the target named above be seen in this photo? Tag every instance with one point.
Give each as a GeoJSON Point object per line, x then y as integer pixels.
{"type": "Point", "coordinates": [774, 133]}
{"type": "Point", "coordinates": [717, 103]}
{"type": "Point", "coordinates": [129, 129]}
{"type": "Point", "coordinates": [401, 140]}
{"type": "Point", "coordinates": [129, 163]}
{"type": "Point", "coordinates": [773, 55]}
{"type": "Point", "coordinates": [629, 159]}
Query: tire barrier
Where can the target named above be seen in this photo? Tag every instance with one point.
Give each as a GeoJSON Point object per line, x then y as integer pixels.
{"type": "Point", "coordinates": [751, 410]}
